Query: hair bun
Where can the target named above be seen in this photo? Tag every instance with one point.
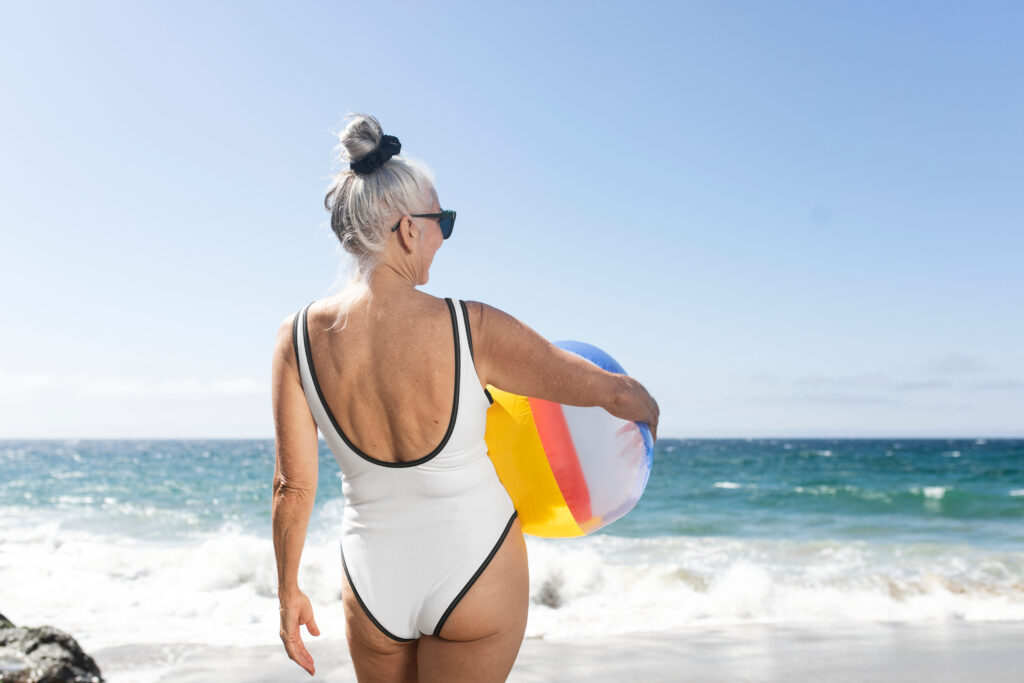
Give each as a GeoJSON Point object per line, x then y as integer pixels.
{"type": "Point", "coordinates": [388, 147]}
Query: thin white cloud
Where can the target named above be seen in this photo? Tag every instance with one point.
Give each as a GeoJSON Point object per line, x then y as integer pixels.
{"type": "Point", "coordinates": [18, 385]}
{"type": "Point", "coordinates": [956, 364]}
{"type": "Point", "coordinates": [998, 385]}
{"type": "Point", "coordinates": [820, 397]}
{"type": "Point", "coordinates": [961, 374]}
{"type": "Point", "coordinates": [879, 382]}
{"type": "Point", "coordinates": [841, 398]}
{"type": "Point", "coordinates": [864, 380]}
{"type": "Point", "coordinates": [921, 385]}
{"type": "Point", "coordinates": [758, 378]}
{"type": "Point", "coordinates": [238, 387]}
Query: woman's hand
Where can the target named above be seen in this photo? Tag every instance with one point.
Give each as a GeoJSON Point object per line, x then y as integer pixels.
{"type": "Point", "coordinates": [295, 612]}
{"type": "Point", "coordinates": [635, 403]}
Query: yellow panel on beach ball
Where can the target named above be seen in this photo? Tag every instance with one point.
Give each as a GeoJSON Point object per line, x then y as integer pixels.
{"type": "Point", "coordinates": [518, 456]}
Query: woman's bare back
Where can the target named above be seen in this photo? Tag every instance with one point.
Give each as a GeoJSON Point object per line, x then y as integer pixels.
{"type": "Point", "coordinates": [389, 375]}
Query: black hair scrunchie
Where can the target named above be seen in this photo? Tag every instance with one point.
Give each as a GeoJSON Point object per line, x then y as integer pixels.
{"type": "Point", "coordinates": [388, 147]}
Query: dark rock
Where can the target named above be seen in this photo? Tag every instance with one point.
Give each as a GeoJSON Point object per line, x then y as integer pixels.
{"type": "Point", "coordinates": [14, 666]}
{"type": "Point", "coordinates": [43, 655]}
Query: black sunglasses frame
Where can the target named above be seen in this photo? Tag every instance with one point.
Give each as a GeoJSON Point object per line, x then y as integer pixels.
{"type": "Point", "coordinates": [444, 217]}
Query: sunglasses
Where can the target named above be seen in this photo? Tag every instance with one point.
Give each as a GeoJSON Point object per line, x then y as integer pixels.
{"type": "Point", "coordinates": [446, 219]}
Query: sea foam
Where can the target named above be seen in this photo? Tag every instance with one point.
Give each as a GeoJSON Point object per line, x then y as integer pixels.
{"type": "Point", "coordinates": [222, 589]}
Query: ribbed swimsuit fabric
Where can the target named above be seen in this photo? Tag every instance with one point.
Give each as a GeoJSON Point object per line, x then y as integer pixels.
{"type": "Point", "coordinates": [416, 535]}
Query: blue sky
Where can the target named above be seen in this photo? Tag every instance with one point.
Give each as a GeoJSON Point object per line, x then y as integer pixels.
{"type": "Point", "coordinates": [787, 219]}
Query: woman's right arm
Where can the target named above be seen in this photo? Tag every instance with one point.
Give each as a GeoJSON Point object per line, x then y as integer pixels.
{"type": "Point", "coordinates": [294, 492]}
{"type": "Point", "coordinates": [513, 357]}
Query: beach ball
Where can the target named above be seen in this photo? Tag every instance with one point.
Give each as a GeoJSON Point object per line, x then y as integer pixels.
{"type": "Point", "coordinates": [569, 470]}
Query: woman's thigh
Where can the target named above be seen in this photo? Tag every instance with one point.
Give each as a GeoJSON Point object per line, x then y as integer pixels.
{"type": "Point", "coordinates": [375, 656]}
{"type": "Point", "coordinates": [481, 637]}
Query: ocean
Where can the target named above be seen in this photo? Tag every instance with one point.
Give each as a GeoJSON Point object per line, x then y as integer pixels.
{"type": "Point", "coordinates": [169, 541]}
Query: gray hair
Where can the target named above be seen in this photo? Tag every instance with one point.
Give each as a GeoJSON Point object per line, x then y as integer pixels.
{"type": "Point", "coordinates": [364, 206]}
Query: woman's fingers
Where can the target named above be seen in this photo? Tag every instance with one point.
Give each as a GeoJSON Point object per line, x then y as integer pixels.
{"type": "Point", "coordinates": [640, 407]}
{"type": "Point", "coordinates": [295, 648]}
{"type": "Point", "coordinates": [292, 617]}
{"type": "Point", "coordinates": [656, 413]}
{"type": "Point", "coordinates": [311, 626]}
{"type": "Point", "coordinates": [298, 653]}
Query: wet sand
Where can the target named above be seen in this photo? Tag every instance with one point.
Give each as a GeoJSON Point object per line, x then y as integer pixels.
{"type": "Point", "coordinates": [989, 651]}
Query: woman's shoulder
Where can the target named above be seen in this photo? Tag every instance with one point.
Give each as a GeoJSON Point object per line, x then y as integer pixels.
{"type": "Point", "coordinates": [376, 306]}
{"type": "Point", "coordinates": [483, 313]}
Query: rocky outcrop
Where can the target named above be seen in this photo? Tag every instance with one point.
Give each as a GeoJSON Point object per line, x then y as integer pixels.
{"type": "Point", "coordinates": [43, 655]}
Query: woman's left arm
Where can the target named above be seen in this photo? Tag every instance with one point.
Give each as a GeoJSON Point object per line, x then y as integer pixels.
{"type": "Point", "coordinates": [295, 480]}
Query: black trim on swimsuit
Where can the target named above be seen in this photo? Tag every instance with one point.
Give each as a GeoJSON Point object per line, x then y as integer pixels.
{"type": "Point", "coordinates": [337, 427]}
{"type": "Point", "coordinates": [465, 589]}
{"type": "Point", "coordinates": [366, 609]}
{"type": "Point", "coordinates": [469, 338]}
{"type": "Point", "coordinates": [469, 335]}
{"type": "Point", "coordinates": [295, 339]}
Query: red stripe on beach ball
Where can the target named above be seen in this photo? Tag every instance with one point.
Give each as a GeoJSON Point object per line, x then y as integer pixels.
{"type": "Point", "coordinates": [561, 453]}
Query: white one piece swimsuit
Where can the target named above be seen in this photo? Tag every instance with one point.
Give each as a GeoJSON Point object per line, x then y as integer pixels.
{"type": "Point", "coordinates": [415, 535]}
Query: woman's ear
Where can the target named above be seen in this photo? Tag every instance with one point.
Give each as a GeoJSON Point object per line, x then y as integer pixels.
{"type": "Point", "coordinates": [407, 233]}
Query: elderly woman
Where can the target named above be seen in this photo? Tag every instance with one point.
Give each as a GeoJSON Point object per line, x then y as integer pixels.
{"type": "Point", "coordinates": [435, 582]}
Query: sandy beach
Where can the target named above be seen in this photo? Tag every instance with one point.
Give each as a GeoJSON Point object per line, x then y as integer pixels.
{"type": "Point", "coordinates": [750, 653]}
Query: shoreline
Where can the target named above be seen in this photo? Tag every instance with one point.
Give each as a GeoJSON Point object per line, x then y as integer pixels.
{"type": "Point", "coordinates": [932, 652]}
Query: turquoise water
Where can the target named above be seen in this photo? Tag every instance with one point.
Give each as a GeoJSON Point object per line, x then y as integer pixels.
{"type": "Point", "coordinates": [956, 491]}
{"type": "Point", "coordinates": [178, 534]}
{"type": "Point", "coordinates": [959, 491]}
